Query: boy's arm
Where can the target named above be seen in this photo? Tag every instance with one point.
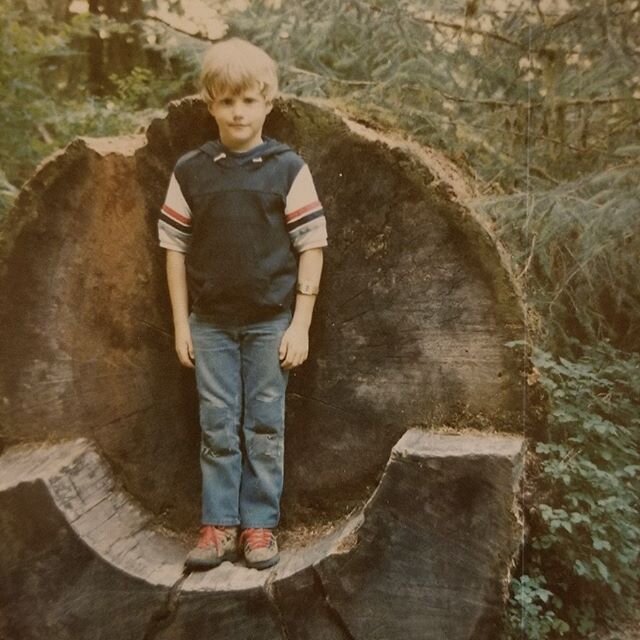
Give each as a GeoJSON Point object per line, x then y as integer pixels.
{"type": "Point", "coordinates": [294, 347]}
{"type": "Point", "coordinates": [177, 280]}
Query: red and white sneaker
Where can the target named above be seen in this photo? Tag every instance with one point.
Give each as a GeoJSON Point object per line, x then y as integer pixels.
{"type": "Point", "coordinates": [259, 547]}
{"type": "Point", "coordinates": [215, 545]}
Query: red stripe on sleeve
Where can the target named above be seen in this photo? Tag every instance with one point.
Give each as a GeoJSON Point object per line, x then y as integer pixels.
{"type": "Point", "coordinates": [294, 215]}
{"type": "Point", "coordinates": [178, 217]}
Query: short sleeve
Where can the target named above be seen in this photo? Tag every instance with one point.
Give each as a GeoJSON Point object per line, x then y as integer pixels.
{"type": "Point", "coordinates": [174, 224]}
{"type": "Point", "coordinates": [304, 215]}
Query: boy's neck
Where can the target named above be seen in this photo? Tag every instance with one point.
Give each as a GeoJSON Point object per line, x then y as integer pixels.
{"type": "Point", "coordinates": [243, 148]}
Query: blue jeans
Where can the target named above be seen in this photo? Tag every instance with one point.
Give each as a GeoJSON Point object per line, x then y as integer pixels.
{"type": "Point", "coordinates": [241, 388]}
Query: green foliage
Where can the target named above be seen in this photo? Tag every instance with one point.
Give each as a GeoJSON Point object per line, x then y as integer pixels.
{"type": "Point", "coordinates": [25, 51]}
{"type": "Point", "coordinates": [140, 89]}
{"type": "Point", "coordinates": [46, 81]}
{"type": "Point", "coordinates": [586, 527]}
{"type": "Point", "coordinates": [532, 610]}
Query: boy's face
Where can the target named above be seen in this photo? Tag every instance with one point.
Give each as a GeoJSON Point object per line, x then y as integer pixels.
{"type": "Point", "coordinates": [240, 116]}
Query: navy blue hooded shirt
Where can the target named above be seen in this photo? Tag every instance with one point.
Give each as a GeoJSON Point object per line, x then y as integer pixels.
{"type": "Point", "coordinates": [233, 208]}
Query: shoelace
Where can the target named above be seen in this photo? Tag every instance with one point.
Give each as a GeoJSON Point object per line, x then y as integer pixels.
{"type": "Point", "coordinates": [211, 535]}
{"type": "Point", "coordinates": [256, 538]}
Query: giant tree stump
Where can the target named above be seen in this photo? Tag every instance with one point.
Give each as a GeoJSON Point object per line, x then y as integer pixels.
{"type": "Point", "coordinates": [416, 307]}
{"type": "Point", "coordinates": [425, 560]}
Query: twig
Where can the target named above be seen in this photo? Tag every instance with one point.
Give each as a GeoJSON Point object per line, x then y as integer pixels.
{"type": "Point", "coordinates": [577, 269]}
{"type": "Point", "coordinates": [46, 136]}
{"type": "Point", "coordinates": [557, 141]}
{"type": "Point", "coordinates": [467, 29]}
{"type": "Point", "coordinates": [306, 72]}
{"type": "Point", "coordinates": [592, 101]}
{"type": "Point", "coordinates": [522, 273]}
{"type": "Point", "coordinates": [488, 102]}
{"type": "Point", "coordinates": [197, 36]}
{"type": "Point", "coordinates": [541, 173]}
{"type": "Point", "coordinates": [574, 15]}
{"type": "Point", "coordinates": [442, 23]}
{"type": "Point", "coordinates": [559, 102]}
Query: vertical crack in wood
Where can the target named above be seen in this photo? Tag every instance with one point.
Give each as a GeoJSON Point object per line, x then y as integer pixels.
{"type": "Point", "coordinates": [270, 592]}
{"type": "Point", "coordinates": [335, 614]}
{"type": "Point", "coordinates": [163, 617]}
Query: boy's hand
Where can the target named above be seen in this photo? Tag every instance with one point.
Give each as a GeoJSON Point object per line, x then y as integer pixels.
{"type": "Point", "coordinates": [294, 347]}
{"type": "Point", "coordinates": [184, 346]}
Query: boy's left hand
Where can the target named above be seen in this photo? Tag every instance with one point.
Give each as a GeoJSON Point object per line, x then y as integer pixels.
{"type": "Point", "coordinates": [294, 347]}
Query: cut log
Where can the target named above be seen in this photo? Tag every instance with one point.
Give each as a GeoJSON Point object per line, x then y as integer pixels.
{"type": "Point", "coordinates": [428, 558]}
{"type": "Point", "coordinates": [415, 310]}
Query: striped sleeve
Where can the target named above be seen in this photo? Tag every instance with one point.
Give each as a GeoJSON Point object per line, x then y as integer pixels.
{"type": "Point", "coordinates": [174, 224]}
{"type": "Point", "coordinates": [304, 215]}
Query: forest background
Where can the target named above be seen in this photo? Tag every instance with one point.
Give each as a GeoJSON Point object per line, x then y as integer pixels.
{"type": "Point", "coordinates": [538, 102]}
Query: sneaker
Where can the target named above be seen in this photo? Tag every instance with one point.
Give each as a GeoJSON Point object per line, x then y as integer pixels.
{"type": "Point", "coordinates": [215, 545]}
{"type": "Point", "coordinates": [259, 547]}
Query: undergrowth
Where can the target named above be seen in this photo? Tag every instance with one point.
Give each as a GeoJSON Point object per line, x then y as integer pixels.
{"type": "Point", "coordinates": [580, 570]}
{"type": "Point", "coordinates": [575, 249]}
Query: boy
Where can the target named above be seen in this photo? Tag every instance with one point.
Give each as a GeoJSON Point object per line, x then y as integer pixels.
{"type": "Point", "coordinates": [237, 212]}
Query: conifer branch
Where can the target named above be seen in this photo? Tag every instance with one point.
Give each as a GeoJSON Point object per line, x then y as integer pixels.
{"type": "Point", "coordinates": [443, 23]}
{"type": "Point", "coordinates": [525, 269]}
{"type": "Point", "coordinates": [461, 27]}
{"type": "Point", "coordinates": [560, 102]}
{"type": "Point", "coordinates": [294, 69]}
{"type": "Point", "coordinates": [46, 136]}
{"type": "Point", "coordinates": [578, 268]}
{"type": "Point", "coordinates": [564, 20]}
{"type": "Point", "coordinates": [489, 102]}
{"type": "Point", "coordinates": [541, 173]}
{"type": "Point", "coordinates": [197, 36]}
{"type": "Point", "coordinates": [555, 141]}
{"type": "Point", "coordinates": [598, 100]}
{"type": "Point", "coordinates": [574, 15]}
{"type": "Point", "coordinates": [326, 78]}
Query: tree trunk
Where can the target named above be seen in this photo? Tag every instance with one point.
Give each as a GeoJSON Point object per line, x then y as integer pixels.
{"type": "Point", "coordinates": [415, 310]}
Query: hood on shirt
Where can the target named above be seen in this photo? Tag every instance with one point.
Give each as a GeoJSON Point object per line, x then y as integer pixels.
{"type": "Point", "coordinates": [255, 157]}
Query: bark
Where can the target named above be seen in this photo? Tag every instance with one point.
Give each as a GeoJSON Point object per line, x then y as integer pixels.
{"type": "Point", "coordinates": [410, 329]}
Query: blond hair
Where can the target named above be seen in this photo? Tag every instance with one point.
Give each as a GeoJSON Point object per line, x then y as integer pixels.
{"type": "Point", "coordinates": [236, 65]}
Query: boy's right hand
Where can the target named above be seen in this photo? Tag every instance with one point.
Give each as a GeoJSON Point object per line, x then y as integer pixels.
{"type": "Point", "coordinates": [184, 346]}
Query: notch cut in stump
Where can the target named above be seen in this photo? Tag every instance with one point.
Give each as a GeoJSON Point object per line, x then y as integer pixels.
{"type": "Point", "coordinates": [410, 329]}
{"type": "Point", "coordinates": [427, 558]}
